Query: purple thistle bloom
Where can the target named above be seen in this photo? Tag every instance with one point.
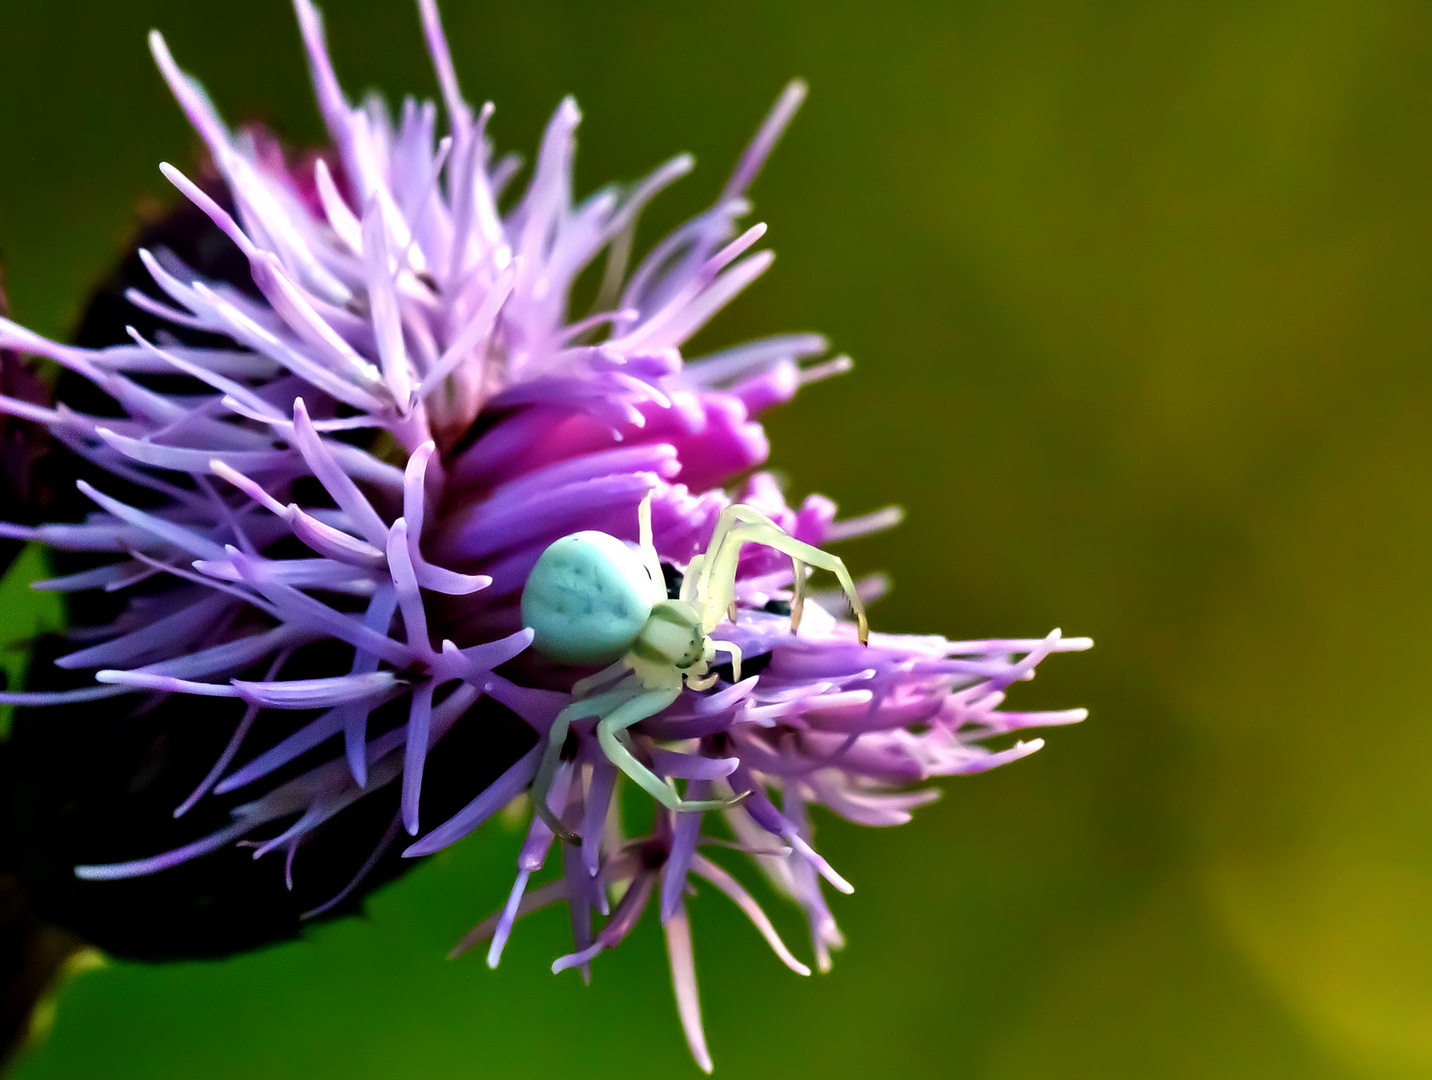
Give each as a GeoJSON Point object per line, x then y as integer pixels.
{"type": "Point", "coordinates": [380, 440]}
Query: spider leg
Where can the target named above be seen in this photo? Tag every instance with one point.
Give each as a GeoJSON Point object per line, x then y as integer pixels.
{"type": "Point", "coordinates": [735, 651]}
{"type": "Point", "coordinates": [635, 710]}
{"type": "Point", "coordinates": [583, 688]}
{"type": "Point", "coordinates": [721, 567]}
{"type": "Point", "coordinates": [805, 553]}
{"type": "Point", "coordinates": [597, 705]}
{"type": "Point", "coordinates": [612, 728]}
{"type": "Point", "coordinates": [691, 581]}
{"type": "Point", "coordinates": [728, 520]}
{"type": "Point", "coordinates": [798, 586]}
{"type": "Point", "coordinates": [649, 557]}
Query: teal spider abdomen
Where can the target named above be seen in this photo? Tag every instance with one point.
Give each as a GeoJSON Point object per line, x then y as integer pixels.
{"type": "Point", "coordinates": [587, 599]}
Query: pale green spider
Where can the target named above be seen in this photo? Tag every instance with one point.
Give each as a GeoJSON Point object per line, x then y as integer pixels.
{"type": "Point", "coordinates": [591, 599]}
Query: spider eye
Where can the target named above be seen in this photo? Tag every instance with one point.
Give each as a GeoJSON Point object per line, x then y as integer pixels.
{"type": "Point", "coordinates": [587, 599]}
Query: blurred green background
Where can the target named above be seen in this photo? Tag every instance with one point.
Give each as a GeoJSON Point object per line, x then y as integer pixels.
{"type": "Point", "coordinates": [1140, 296]}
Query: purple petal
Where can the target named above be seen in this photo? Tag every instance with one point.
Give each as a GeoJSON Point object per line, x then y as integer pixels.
{"type": "Point", "coordinates": [683, 981]}
{"type": "Point", "coordinates": [497, 795]}
{"type": "Point", "coordinates": [685, 835]}
{"type": "Point", "coordinates": [416, 752]}
{"type": "Point", "coordinates": [140, 867]}
{"type": "Point", "coordinates": [747, 903]}
{"type": "Point", "coordinates": [319, 693]}
{"type": "Point", "coordinates": [337, 482]}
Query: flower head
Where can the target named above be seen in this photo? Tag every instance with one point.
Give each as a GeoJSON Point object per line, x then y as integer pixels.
{"type": "Point", "coordinates": [342, 472]}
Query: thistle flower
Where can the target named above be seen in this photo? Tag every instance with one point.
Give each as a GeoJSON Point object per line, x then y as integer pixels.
{"type": "Point", "coordinates": [341, 475]}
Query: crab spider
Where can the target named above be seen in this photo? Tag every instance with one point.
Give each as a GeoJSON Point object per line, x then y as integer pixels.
{"type": "Point", "coordinates": [591, 599]}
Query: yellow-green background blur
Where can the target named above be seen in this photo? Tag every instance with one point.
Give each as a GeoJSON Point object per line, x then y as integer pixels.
{"type": "Point", "coordinates": [1140, 296]}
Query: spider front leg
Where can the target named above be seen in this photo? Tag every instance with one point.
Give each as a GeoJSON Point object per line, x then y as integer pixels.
{"type": "Point", "coordinates": [597, 705]}
{"type": "Point", "coordinates": [633, 712]}
{"type": "Point", "coordinates": [734, 651]}
{"type": "Point", "coordinates": [801, 554]}
{"type": "Point", "coordinates": [719, 568]}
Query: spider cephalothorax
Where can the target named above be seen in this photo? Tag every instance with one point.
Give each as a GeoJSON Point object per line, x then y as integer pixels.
{"type": "Point", "coordinates": [592, 599]}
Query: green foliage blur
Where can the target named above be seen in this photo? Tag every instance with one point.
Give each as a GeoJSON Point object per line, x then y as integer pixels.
{"type": "Point", "coordinates": [1140, 296]}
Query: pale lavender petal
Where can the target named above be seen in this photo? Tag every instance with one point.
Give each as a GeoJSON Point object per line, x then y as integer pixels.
{"type": "Point", "coordinates": [405, 581]}
{"type": "Point", "coordinates": [40, 698]}
{"type": "Point", "coordinates": [230, 751]}
{"type": "Point", "coordinates": [594, 816]}
{"type": "Point", "coordinates": [580, 890]}
{"type": "Point", "coordinates": [532, 900]}
{"type": "Point", "coordinates": [775, 124]}
{"type": "Point", "coordinates": [310, 613]}
{"type": "Point", "coordinates": [773, 821]}
{"type": "Point", "coordinates": [140, 867]}
{"type": "Point", "coordinates": [165, 684]}
{"type": "Point", "coordinates": [330, 542]}
{"type": "Point", "coordinates": [533, 855]}
{"type": "Point", "coordinates": [685, 835]}
{"type": "Point", "coordinates": [691, 766]}
{"type": "Point", "coordinates": [299, 743]}
{"type": "Point", "coordinates": [180, 537]}
{"type": "Point", "coordinates": [383, 302]}
{"type": "Point", "coordinates": [752, 910]}
{"type": "Point", "coordinates": [479, 660]}
{"type": "Point", "coordinates": [623, 918]}
{"type": "Point", "coordinates": [506, 919]}
{"type": "Point", "coordinates": [683, 981]}
{"type": "Point", "coordinates": [161, 635]}
{"type": "Point", "coordinates": [337, 482]}
{"type": "Point", "coordinates": [497, 795]}
{"type": "Point", "coordinates": [420, 718]}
